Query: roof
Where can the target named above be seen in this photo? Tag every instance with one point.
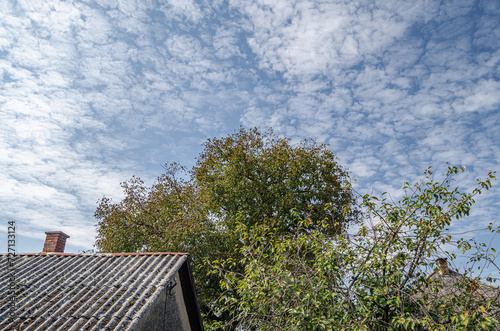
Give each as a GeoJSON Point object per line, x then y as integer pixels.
{"type": "Point", "coordinates": [60, 291]}
{"type": "Point", "coordinates": [455, 284]}
{"type": "Point", "coordinates": [445, 287]}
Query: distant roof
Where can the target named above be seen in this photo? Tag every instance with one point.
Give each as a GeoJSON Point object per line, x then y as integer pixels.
{"type": "Point", "coordinates": [447, 286]}
{"type": "Point", "coordinates": [62, 291]}
{"type": "Point", "coordinates": [455, 283]}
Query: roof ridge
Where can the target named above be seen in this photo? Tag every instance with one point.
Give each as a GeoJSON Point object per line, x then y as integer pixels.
{"type": "Point", "coordinates": [95, 254]}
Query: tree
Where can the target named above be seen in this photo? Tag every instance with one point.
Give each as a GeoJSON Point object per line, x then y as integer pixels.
{"type": "Point", "coordinates": [247, 177]}
{"type": "Point", "coordinates": [254, 178]}
{"type": "Point", "coordinates": [166, 217]}
{"type": "Point", "coordinates": [372, 279]}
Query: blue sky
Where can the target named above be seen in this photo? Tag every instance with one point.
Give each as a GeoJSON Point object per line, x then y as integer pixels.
{"type": "Point", "coordinates": [93, 92]}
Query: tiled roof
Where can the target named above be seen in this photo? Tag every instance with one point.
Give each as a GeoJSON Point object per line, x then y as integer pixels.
{"type": "Point", "coordinates": [445, 287]}
{"type": "Point", "coordinates": [455, 284]}
{"type": "Point", "coordinates": [59, 291]}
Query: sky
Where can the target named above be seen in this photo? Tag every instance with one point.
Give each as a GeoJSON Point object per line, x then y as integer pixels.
{"type": "Point", "coordinates": [95, 92]}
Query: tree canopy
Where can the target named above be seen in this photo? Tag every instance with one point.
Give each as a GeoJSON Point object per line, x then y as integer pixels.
{"type": "Point", "coordinates": [375, 278]}
{"type": "Point", "coordinates": [278, 240]}
{"type": "Point", "coordinates": [247, 177]}
{"type": "Point", "coordinates": [254, 178]}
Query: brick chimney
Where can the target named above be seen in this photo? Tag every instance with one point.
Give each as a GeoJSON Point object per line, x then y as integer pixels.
{"type": "Point", "coordinates": [55, 242]}
{"type": "Point", "coordinates": [443, 266]}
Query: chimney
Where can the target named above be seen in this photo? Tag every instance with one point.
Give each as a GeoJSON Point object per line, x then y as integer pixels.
{"type": "Point", "coordinates": [55, 242]}
{"type": "Point", "coordinates": [443, 266]}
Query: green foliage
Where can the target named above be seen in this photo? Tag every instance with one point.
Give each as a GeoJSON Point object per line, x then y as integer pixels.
{"type": "Point", "coordinates": [255, 178]}
{"type": "Point", "coordinates": [167, 217]}
{"type": "Point", "coordinates": [373, 279]}
{"type": "Point", "coordinates": [246, 177]}
{"type": "Point", "coordinates": [278, 243]}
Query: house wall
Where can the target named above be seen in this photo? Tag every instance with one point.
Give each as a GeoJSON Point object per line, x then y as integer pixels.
{"type": "Point", "coordinates": [168, 312]}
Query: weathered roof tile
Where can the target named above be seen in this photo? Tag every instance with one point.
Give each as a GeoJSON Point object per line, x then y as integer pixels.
{"type": "Point", "coordinates": [60, 291]}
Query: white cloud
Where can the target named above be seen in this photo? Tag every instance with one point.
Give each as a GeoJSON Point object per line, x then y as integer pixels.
{"type": "Point", "coordinates": [183, 9]}
{"type": "Point", "coordinates": [225, 43]}
{"type": "Point", "coordinates": [95, 92]}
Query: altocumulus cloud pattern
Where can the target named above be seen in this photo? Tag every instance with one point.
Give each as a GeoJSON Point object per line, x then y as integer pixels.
{"type": "Point", "coordinates": [93, 92]}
